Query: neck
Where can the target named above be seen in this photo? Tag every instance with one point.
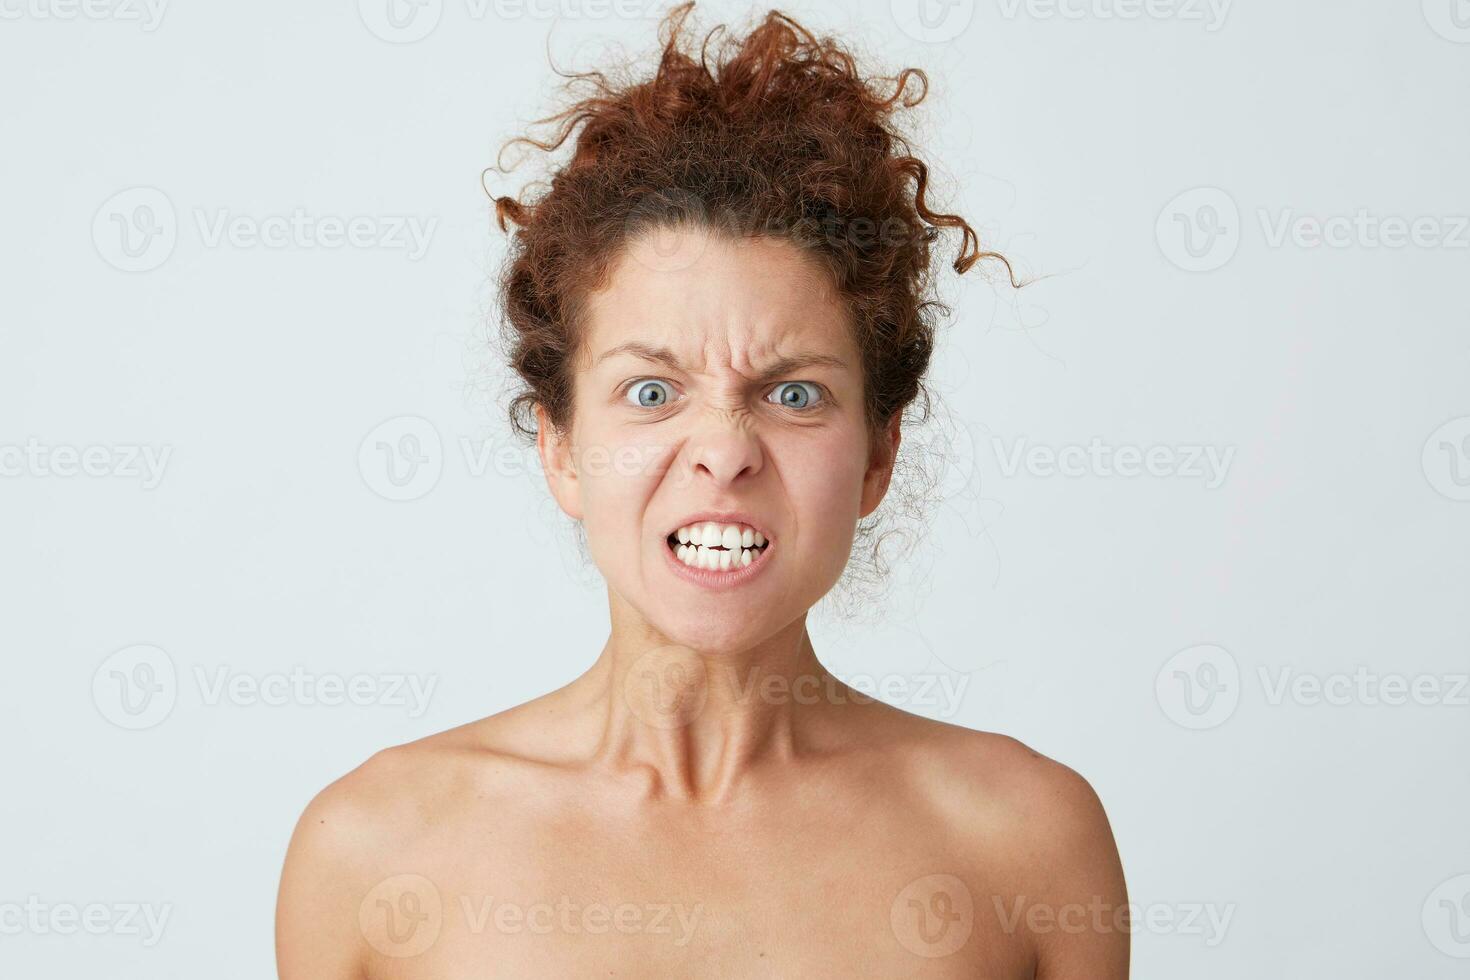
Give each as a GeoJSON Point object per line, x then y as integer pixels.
{"type": "Point", "coordinates": [694, 723]}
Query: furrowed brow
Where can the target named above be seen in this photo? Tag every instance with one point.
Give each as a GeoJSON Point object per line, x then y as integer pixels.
{"type": "Point", "coordinates": [780, 368]}
{"type": "Point", "coordinates": [797, 362]}
{"type": "Point", "coordinates": [647, 352]}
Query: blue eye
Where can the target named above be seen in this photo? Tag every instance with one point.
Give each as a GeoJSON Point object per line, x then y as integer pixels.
{"type": "Point", "coordinates": [797, 394]}
{"type": "Point", "coordinates": [649, 393]}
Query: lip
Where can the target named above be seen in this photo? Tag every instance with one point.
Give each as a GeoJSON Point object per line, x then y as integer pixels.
{"type": "Point", "coordinates": [714, 578]}
{"type": "Point", "coordinates": [710, 578]}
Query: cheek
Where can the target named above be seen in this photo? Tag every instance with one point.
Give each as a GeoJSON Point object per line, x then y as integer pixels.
{"type": "Point", "coordinates": [825, 480]}
{"type": "Point", "coordinates": [619, 470]}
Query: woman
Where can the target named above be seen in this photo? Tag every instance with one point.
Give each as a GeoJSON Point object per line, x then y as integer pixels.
{"type": "Point", "coordinates": [718, 312]}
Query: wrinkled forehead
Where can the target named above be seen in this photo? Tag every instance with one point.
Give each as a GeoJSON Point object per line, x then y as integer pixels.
{"type": "Point", "coordinates": [719, 304]}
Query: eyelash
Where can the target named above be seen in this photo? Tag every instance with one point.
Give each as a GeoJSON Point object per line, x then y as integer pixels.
{"type": "Point", "coordinates": [819, 402]}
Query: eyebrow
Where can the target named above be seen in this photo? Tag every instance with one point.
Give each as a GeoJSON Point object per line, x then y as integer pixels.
{"type": "Point", "coordinates": [778, 368]}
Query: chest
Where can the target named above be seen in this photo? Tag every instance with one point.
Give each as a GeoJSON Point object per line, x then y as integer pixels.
{"type": "Point", "coordinates": [853, 898]}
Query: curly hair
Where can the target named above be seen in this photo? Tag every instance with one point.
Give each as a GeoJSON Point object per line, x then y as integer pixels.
{"type": "Point", "coordinates": [779, 135]}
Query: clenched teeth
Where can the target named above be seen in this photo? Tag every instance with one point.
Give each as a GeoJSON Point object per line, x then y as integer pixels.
{"type": "Point", "coordinates": [717, 546]}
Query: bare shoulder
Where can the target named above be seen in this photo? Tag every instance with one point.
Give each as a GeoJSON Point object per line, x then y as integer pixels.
{"type": "Point", "coordinates": [984, 774]}
{"type": "Point", "coordinates": [389, 796]}
{"type": "Point", "coordinates": [999, 788]}
{"type": "Point", "coordinates": [1007, 781]}
{"type": "Point", "coordinates": [1040, 841]}
{"type": "Point", "coordinates": [410, 787]}
{"type": "Point", "coordinates": [359, 833]}
{"type": "Point", "coordinates": [394, 787]}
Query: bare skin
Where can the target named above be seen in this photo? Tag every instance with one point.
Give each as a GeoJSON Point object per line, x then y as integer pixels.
{"type": "Point", "coordinates": [707, 799]}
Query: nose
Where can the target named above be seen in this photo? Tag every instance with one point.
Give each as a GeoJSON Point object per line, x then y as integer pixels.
{"type": "Point", "coordinates": [724, 448]}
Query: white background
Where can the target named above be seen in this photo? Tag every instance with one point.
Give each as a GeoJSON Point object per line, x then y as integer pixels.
{"type": "Point", "coordinates": [1334, 542]}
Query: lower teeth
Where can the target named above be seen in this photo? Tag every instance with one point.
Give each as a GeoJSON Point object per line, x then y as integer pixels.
{"type": "Point", "coordinates": [717, 559]}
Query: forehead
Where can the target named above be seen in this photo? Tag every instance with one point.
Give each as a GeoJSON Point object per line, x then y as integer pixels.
{"type": "Point", "coordinates": [717, 302]}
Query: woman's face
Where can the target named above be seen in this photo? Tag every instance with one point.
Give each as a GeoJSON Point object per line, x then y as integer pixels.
{"type": "Point", "coordinates": [718, 377]}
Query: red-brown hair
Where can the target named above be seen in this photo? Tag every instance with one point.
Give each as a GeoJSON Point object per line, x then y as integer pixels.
{"type": "Point", "coordinates": [780, 134]}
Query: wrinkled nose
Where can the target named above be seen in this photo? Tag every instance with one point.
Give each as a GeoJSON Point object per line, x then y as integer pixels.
{"type": "Point", "coordinates": [724, 448]}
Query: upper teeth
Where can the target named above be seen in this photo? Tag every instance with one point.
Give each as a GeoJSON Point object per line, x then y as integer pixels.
{"type": "Point", "coordinates": [723, 546]}
{"type": "Point", "coordinates": [713, 535]}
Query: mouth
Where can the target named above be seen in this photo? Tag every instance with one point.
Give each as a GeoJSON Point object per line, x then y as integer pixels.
{"type": "Point", "coordinates": [717, 546]}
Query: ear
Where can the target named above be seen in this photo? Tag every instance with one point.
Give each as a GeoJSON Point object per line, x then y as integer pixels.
{"type": "Point", "coordinates": [880, 465]}
{"type": "Point", "coordinates": [557, 462]}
